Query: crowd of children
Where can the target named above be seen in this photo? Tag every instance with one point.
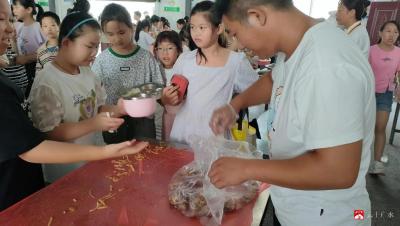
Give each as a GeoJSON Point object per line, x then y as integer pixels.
{"type": "Point", "coordinates": [75, 93]}
{"type": "Point", "coordinates": [24, 147]}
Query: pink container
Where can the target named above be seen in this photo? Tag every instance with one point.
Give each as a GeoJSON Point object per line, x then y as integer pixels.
{"type": "Point", "coordinates": [263, 62]}
{"type": "Point", "coordinates": [138, 108]}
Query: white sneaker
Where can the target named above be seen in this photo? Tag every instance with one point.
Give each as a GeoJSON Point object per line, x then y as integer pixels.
{"type": "Point", "coordinates": [377, 167]}
{"type": "Point", "coordinates": [384, 158]}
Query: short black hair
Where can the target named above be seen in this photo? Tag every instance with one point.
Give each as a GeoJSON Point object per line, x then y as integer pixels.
{"type": "Point", "coordinates": [237, 9]}
{"type": "Point", "coordinates": [50, 14]}
{"type": "Point", "coordinates": [154, 19]}
{"type": "Point", "coordinates": [181, 21]}
{"type": "Point", "coordinates": [186, 18]}
{"type": "Point", "coordinates": [73, 19]}
{"type": "Point", "coordinates": [115, 12]}
{"type": "Point", "coordinates": [170, 36]}
{"type": "Point", "coordinates": [360, 6]}
{"type": "Point", "coordinates": [137, 13]}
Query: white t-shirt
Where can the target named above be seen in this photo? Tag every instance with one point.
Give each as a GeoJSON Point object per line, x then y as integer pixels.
{"type": "Point", "coordinates": [323, 96]}
{"type": "Point", "coordinates": [168, 74]}
{"type": "Point", "coordinates": [209, 88]}
{"type": "Point", "coordinates": [145, 40]}
{"type": "Point", "coordinates": [57, 97]}
{"type": "Point", "coordinates": [360, 36]}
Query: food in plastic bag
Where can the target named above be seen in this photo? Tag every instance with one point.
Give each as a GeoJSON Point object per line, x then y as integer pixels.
{"type": "Point", "coordinates": [190, 190]}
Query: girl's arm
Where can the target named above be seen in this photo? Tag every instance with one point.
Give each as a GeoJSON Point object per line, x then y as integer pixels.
{"type": "Point", "coordinates": [48, 116]}
{"type": "Point", "coordinates": [68, 131]}
{"type": "Point", "coordinates": [58, 152]}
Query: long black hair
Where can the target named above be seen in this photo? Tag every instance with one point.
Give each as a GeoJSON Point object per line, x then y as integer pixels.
{"type": "Point", "coordinates": [73, 24]}
{"type": "Point", "coordinates": [184, 35]}
{"type": "Point", "coordinates": [36, 8]}
{"type": "Point", "coordinates": [207, 7]}
{"type": "Point", "coordinates": [384, 26]}
{"type": "Point", "coordinates": [141, 25]}
{"type": "Point", "coordinates": [115, 12]}
{"type": "Point", "coordinates": [360, 6]}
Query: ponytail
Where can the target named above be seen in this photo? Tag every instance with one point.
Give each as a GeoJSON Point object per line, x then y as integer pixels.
{"type": "Point", "coordinates": [36, 8]}
{"type": "Point", "coordinates": [140, 26]}
{"type": "Point", "coordinates": [138, 29]}
{"type": "Point", "coordinates": [39, 12]}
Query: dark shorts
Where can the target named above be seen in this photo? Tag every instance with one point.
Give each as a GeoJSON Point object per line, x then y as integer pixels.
{"type": "Point", "coordinates": [384, 101]}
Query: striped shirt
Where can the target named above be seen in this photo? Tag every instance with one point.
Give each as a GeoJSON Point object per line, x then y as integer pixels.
{"type": "Point", "coordinates": [45, 54]}
{"type": "Point", "coordinates": [17, 74]}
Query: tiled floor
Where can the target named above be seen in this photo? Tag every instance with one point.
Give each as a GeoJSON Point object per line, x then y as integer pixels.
{"type": "Point", "coordinates": [384, 191]}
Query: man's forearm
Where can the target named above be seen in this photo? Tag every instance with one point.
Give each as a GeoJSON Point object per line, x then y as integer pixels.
{"type": "Point", "coordinates": [333, 168]}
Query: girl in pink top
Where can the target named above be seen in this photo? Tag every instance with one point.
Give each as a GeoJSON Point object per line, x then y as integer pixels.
{"type": "Point", "coordinates": [385, 62]}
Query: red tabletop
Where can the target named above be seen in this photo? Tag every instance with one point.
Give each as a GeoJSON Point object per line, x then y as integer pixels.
{"type": "Point", "coordinates": [122, 191]}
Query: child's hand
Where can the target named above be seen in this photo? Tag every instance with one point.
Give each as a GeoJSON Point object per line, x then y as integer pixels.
{"type": "Point", "coordinates": [103, 122]}
{"type": "Point", "coordinates": [170, 95]}
{"type": "Point", "coordinates": [3, 63]}
{"type": "Point", "coordinates": [124, 148]}
{"type": "Point", "coordinates": [120, 107]}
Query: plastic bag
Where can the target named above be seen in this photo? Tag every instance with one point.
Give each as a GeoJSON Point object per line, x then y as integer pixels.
{"type": "Point", "coordinates": [191, 192]}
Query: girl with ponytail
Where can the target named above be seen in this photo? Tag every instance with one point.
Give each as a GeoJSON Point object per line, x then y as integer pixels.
{"type": "Point", "coordinates": [29, 36]}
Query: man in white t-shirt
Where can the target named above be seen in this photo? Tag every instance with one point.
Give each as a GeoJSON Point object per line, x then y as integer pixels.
{"type": "Point", "coordinates": [322, 115]}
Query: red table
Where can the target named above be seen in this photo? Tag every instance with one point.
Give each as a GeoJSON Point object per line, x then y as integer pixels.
{"type": "Point", "coordinates": [122, 191]}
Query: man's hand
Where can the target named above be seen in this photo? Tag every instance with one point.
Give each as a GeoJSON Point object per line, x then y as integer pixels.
{"type": "Point", "coordinates": [228, 171]}
{"type": "Point", "coordinates": [222, 119]}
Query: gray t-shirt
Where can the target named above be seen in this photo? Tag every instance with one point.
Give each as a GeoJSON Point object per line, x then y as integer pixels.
{"type": "Point", "coordinates": [119, 73]}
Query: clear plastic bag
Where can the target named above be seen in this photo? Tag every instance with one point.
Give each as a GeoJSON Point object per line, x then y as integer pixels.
{"type": "Point", "coordinates": [191, 192]}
